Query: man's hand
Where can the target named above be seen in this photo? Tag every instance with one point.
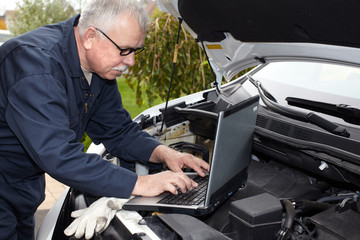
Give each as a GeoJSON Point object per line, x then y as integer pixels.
{"type": "Point", "coordinates": [171, 181]}
{"type": "Point", "coordinates": [176, 161]}
{"type": "Point", "coordinates": [94, 219]}
{"type": "Point", "coordinates": [155, 184]}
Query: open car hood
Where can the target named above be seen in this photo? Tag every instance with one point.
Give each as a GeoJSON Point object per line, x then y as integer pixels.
{"type": "Point", "coordinates": [240, 34]}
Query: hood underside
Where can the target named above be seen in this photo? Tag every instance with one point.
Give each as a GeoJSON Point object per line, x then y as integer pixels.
{"type": "Point", "coordinates": [333, 22]}
{"type": "Point", "coordinates": [240, 34]}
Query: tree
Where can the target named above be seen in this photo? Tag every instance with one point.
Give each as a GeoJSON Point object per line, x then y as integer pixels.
{"type": "Point", "coordinates": [36, 13]}
{"type": "Point", "coordinates": [152, 71]}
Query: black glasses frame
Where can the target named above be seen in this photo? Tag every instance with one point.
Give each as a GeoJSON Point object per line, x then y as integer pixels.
{"type": "Point", "coordinates": [123, 51]}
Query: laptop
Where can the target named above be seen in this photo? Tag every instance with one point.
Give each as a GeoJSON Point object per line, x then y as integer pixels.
{"type": "Point", "coordinates": [228, 167]}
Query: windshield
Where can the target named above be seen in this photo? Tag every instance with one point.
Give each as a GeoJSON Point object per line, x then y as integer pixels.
{"type": "Point", "coordinates": [330, 83]}
{"type": "Point", "coordinates": [316, 80]}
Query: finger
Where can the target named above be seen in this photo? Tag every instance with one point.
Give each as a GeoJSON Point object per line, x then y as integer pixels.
{"type": "Point", "coordinates": [199, 166]}
{"type": "Point", "coordinates": [90, 228]}
{"type": "Point", "coordinates": [205, 166]}
{"type": "Point", "coordinates": [194, 184]}
{"type": "Point", "coordinates": [116, 203]}
{"type": "Point", "coordinates": [190, 184]}
{"type": "Point", "coordinates": [110, 217]}
{"type": "Point", "coordinates": [80, 231]}
{"type": "Point", "coordinates": [71, 229]}
{"type": "Point", "coordinates": [183, 182]}
{"type": "Point", "coordinates": [100, 224]}
{"type": "Point", "coordinates": [202, 167]}
{"type": "Point", "coordinates": [78, 213]}
{"type": "Point", "coordinates": [171, 188]}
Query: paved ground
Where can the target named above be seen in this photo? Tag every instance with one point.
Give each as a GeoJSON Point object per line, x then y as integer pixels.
{"type": "Point", "coordinates": [53, 191]}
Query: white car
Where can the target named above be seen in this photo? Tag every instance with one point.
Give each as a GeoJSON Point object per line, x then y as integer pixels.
{"type": "Point", "coordinates": [304, 174]}
{"type": "Point", "coordinates": [4, 36]}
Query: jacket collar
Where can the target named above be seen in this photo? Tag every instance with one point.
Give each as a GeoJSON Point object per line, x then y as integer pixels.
{"type": "Point", "coordinates": [70, 50]}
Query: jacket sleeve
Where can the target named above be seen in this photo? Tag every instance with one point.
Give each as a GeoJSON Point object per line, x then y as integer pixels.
{"type": "Point", "coordinates": [37, 114]}
{"type": "Point", "coordinates": [112, 125]}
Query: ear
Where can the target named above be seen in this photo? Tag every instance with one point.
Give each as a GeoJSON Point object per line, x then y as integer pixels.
{"type": "Point", "coordinates": [89, 37]}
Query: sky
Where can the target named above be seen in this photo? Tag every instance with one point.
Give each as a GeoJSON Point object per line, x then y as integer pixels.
{"type": "Point", "coordinates": [7, 5]}
{"type": "Point", "coordinates": [11, 4]}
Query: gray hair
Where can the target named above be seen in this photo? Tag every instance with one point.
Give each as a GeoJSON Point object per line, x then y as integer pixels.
{"type": "Point", "coordinates": [104, 14]}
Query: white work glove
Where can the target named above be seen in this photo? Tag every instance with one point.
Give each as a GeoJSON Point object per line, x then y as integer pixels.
{"type": "Point", "coordinates": [94, 219]}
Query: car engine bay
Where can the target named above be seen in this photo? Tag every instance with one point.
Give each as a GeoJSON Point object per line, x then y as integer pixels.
{"type": "Point", "coordinates": [298, 187]}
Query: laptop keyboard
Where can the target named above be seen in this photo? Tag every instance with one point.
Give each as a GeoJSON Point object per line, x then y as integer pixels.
{"type": "Point", "coordinates": [192, 197]}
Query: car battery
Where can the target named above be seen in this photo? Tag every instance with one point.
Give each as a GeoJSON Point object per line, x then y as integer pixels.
{"type": "Point", "coordinates": [258, 217]}
{"type": "Point", "coordinates": [337, 223]}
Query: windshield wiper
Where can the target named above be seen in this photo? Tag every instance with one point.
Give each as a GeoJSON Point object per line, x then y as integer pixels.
{"type": "Point", "coordinates": [346, 112]}
{"type": "Point", "coordinates": [310, 117]}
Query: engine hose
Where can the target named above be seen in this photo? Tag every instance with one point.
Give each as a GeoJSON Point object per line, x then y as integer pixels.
{"type": "Point", "coordinates": [312, 206]}
{"type": "Point", "coordinates": [289, 218]}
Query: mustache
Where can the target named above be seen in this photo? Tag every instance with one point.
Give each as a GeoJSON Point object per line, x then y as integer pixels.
{"type": "Point", "coordinates": [123, 69]}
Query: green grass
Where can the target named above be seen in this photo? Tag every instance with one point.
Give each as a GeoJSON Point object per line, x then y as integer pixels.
{"type": "Point", "coordinates": [129, 99]}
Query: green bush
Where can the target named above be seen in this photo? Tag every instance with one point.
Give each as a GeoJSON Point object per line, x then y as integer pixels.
{"type": "Point", "coordinates": [32, 14]}
{"type": "Point", "coordinates": [151, 74]}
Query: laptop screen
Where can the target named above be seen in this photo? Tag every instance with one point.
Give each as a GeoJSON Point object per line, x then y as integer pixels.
{"type": "Point", "coordinates": [232, 147]}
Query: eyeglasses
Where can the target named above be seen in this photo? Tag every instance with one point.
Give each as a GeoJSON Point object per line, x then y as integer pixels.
{"type": "Point", "coordinates": [123, 51]}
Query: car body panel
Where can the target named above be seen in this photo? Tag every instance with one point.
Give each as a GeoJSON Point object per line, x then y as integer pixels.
{"type": "Point", "coordinates": [4, 36]}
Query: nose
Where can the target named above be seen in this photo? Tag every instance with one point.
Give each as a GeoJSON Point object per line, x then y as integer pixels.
{"type": "Point", "coordinates": [129, 59]}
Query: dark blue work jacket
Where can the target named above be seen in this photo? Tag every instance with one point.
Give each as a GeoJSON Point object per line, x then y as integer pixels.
{"type": "Point", "coordinates": [46, 105]}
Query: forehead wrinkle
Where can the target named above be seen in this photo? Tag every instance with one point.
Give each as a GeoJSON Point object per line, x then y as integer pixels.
{"type": "Point", "coordinates": [127, 32]}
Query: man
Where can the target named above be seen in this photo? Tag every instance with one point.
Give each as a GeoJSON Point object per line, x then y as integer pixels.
{"type": "Point", "coordinates": [57, 82]}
